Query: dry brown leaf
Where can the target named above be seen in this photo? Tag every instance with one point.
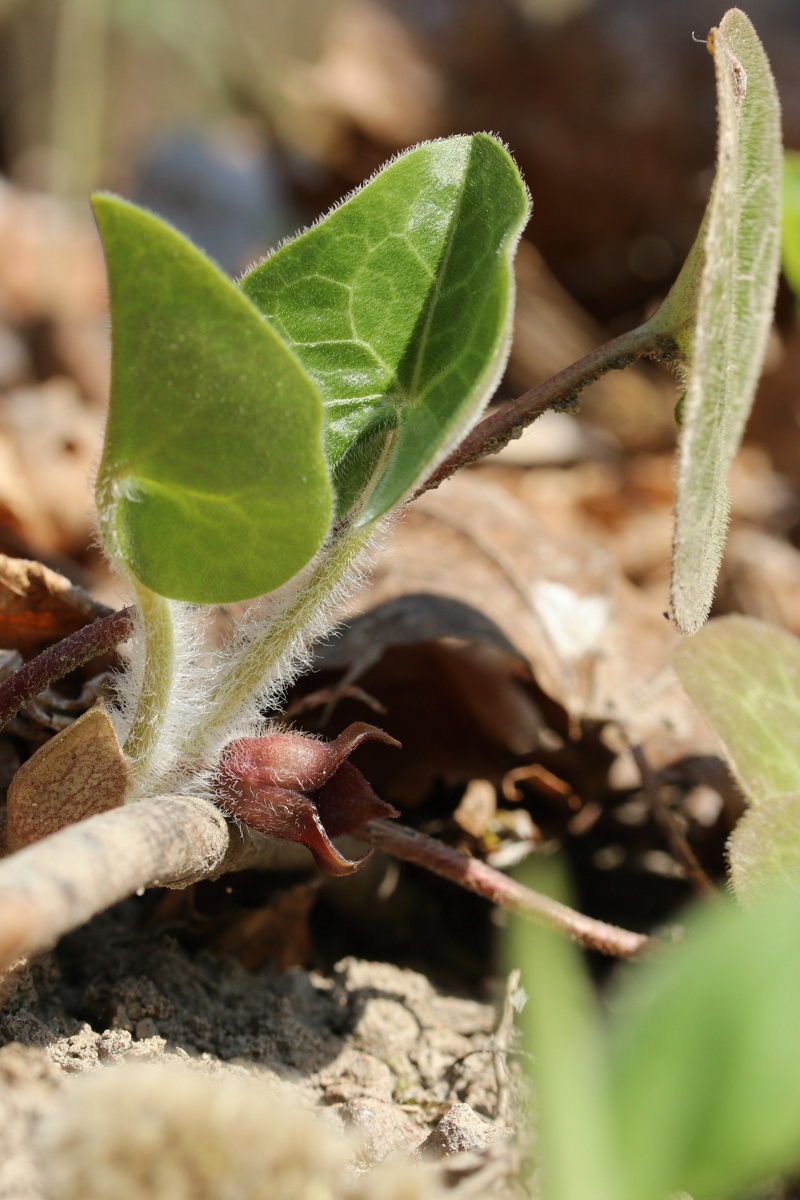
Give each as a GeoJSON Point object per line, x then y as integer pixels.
{"type": "Point", "coordinates": [78, 773]}
{"type": "Point", "coordinates": [50, 441]}
{"type": "Point", "coordinates": [370, 74]}
{"type": "Point", "coordinates": [38, 606]}
{"type": "Point", "coordinates": [51, 264]}
{"type": "Point", "coordinates": [595, 644]}
{"type": "Point", "coordinates": [456, 692]}
{"type": "Point", "coordinates": [551, 330]}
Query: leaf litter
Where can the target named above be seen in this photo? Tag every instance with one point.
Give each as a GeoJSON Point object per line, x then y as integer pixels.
{"type": "Point", "coordinates": [514, 635]}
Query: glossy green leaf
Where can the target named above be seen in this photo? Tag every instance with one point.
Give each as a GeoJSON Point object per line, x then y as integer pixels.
{"type": "Point", "coordinates": [720, 311]}
{"type": "Point", "coordinates": [744, 676]}
{"type": "Point", "coordinates": [575, 1148]}
{"type": "Point", "coordinates": [790, 245]}
{"type": "Point", "coordinates": [764, 848]}
{"type": "Point", "coordinates": [705, 1056]}
{"type": "Point", "coordinates": [213, 485]}
{"type": "Point", "coordinates": [399, 305]}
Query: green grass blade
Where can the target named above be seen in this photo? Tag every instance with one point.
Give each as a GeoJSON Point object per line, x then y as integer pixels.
{"type": "Point", "coordinates": [213, 486]}
{"type": "Point", "coordinates": [399, 305]}
{"type": "Point", "coordinates": [720, 310]}
{"type": "Point", "coordinates": [744, 676]}
{"type": "Point", "coordinates": [575, 1149]}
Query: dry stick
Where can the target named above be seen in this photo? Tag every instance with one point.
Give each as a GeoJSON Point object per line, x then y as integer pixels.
{"type": "Point", "coordinates": [478, 877]}
{"type": "Point", "coordinates": [58, 660]}
{"type": "Point", "coordinates": [511, 420]}
{"type": "Point", "coordinates": [54, 886]}
{"type": "Point", "coordinates": [676, 839]}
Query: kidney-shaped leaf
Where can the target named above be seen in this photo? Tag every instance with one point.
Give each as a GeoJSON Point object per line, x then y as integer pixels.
{"type": "Point", "coordinates": [706, 1056]}
{"type": "Point", "coordinates": [213, 485]}
{"type": "Point", "coordinates": [764, 848]}
{"type": "Point", "coordinates": [720, 310]}
{"type": "Point", "coordinates": [744, 676]}
{"type": "Point", "coordinates": [399, 306]}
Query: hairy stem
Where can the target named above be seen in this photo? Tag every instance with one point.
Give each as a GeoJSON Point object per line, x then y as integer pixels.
{"type": "Point", "coordinates": [57, 661]}
{"type": "Point", "coordinates": [476, 876]}
{"type": "Point", "coordinates": [157, 679]}
{"type": "Point", "coordinates": [265, 656]}
{"type": "Point", "coordinates": [509, 422]}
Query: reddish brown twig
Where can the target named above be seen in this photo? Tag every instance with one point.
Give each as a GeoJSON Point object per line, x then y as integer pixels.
{"type": "Point", "coordinates": [476, 876]}
{"type": "Point", "coordinates": [57, 661]}
{"type": "Point", "coordinates": [509, 422]}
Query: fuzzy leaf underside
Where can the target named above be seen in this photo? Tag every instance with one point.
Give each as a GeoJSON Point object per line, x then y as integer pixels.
{"type": "Point", "coordinates": [213, 485]}
{"type": "Point", "coordinates": [720, 309]}
{"type": "Point", "coordinates": [744, 676]}
{"type": "Point", "coordinates": [791, 221]}
{"type": "Point", "coordinates": [764, 848]}
{"type": "Point", "coordinates": [399, 306]}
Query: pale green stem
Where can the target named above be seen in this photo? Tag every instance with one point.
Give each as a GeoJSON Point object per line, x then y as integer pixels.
{"type": "Point", "coordinates": [79, 96]}
{"type": "Point", "coordinates": [245, 679]}
{"type": "Point", "coordinates": [159, 671]}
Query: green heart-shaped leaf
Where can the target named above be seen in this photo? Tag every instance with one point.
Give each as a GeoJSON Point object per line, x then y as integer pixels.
{"type": "Point", "coordinates": [399, 306]}
{"type": "Point", "coordinates": [213, 486]}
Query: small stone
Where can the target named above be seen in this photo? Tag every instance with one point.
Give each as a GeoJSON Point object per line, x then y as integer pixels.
{"type": "Point", "coordinates": [383, 1128]}
{"type": "Point", "coordinates": [460, 1130]}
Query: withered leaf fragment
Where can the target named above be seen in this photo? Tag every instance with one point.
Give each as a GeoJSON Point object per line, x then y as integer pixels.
{"type": "Point", "coordinates": [78, 773]}
{"type": "Point", "coordinates": [289, 785]}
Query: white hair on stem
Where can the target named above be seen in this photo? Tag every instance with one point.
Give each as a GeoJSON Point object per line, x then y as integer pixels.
{"type": "Point", "coordinates": [212, 704]}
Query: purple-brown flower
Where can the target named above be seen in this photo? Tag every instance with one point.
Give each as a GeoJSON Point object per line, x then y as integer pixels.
{"type": "Point", "coordinates": [289, 785]}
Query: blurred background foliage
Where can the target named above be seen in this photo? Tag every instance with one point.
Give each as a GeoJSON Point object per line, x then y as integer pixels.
{"type": "Point", "coordinates": [243, 120]}
{"type": "Point", "coordinates": [253, 116]}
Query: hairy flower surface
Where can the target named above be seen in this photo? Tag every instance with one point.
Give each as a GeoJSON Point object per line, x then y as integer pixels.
{"type": "Point", "coordinates": [289, 785]}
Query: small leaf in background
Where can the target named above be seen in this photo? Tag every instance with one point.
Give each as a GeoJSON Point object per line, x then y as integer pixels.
{"type": "Point", "coordinates": [575, 1148]}
{"type": "Point", "coordinates": [78, 773]}
{"type": "Point", "coordinates": [764, 848]}
{"type": "Point", "coordinates": [720, 310]}
{"type": "Point", "coordinates": [213, 486]}
{"type": "Point", "coordinates": [790, 246]}
{"type": "Point", "coordinates": [705, 1056]}
{"type": "Point", "coordinates": [399, 306]}
{"type": "Point", "coordinates": [744, 676]}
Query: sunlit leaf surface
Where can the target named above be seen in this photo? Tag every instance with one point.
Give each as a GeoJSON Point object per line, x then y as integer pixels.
{"type": "Point", "coordinates": [213, 486]}
{"type": "Point", "coordinates": [399, 306]}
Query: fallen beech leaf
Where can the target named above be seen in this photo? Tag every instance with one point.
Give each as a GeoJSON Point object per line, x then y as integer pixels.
{"type": "Point", "coordinates": [78, 773]}
{"type": "Point", "coordinates": [38, 606]}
